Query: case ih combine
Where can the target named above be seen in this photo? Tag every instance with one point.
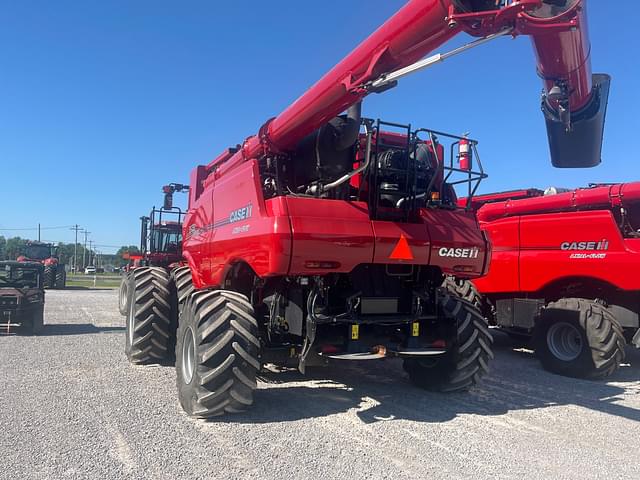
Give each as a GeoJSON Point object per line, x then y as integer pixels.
{"type": "Point", "coordinates": [329, 235]}
{"type": "Point", "coordinates": [55, 275]}
{"type": "Point", "coordinates": [564, 269]}
{"type": "Point", "coordinates": [160, 244]}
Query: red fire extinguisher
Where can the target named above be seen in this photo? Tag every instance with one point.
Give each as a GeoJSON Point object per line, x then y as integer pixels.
{"type": "Point", "coordinates": [464, 154]}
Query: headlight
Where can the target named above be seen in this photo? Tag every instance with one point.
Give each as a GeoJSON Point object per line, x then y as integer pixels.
{"type": "Point", "coordinates": [8, 300]}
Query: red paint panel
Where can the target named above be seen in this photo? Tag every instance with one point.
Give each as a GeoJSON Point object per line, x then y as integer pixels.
{"type": "Point", "coordinates": [455, 229]}
{"type": "Point", "coordinates": [388, 234]}
{"type": "Point", "coordinates": [329, 231]}
{"type": "Point", "coordinates": [503, 275]}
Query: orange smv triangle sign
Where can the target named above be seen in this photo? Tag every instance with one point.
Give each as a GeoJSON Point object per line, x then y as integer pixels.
{"type": "Point", "coordinates": [402, 250]}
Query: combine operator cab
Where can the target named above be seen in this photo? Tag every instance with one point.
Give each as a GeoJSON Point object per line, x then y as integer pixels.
{"type": "Point", "coordinates": [161, 231]}
{"type": "Point", "coordinates": [161, 237]}
{"type": "Point", "coordinates": [55, 275]}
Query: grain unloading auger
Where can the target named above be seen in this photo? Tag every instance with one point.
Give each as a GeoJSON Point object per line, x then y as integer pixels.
{"type": "Point", "coordinates": [332, 236]}
{"type": "Point", "coordinates": [574, 100]}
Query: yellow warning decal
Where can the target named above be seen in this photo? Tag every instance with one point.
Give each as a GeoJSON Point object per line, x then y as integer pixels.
{"type": "Point", "coordinates": [415, 329]}
{"type": "Point", "coordinates": [355, 332]}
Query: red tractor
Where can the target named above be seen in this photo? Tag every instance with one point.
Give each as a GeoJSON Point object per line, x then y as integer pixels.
{"type": "Point", "coordinates": [55, 275]}
{"type": "Point", "coordinates": [563, 273]}
{"type": "Point", "coordinates": [329, 236]}
{"type": "Point", "coordinates": [160, 244]}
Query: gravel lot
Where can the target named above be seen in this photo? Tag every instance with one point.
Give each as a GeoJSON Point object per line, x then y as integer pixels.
{"type": "Point", "coordinates": [72, 407]}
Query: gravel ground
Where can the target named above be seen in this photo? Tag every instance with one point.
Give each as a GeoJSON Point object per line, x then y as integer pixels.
{"type": "Point", "coordinates": [72, 407]}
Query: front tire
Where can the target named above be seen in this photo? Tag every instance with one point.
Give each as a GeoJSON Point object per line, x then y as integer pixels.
{"type": "Point", "coordinates": [581, 338]}
{"type": "Point", "coordinates": [148, 318]}
{"type": "Point", "coordinates": [469, 354]}
{"type": "Point", "coordinates": [216, 353]}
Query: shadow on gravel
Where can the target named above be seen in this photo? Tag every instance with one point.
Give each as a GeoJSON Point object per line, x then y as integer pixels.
{"type": "Point", "coordinates": [88, 288]}
{"type": "Point", "coordinates": [381, 392]}
{"type": "Point", "coordinates": [75, 329]}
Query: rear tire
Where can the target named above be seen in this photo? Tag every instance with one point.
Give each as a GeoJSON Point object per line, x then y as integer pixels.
{"type": "Point", "coordinates": [61, 277]}
{"type": "Point", "coordinates": [217, 353]}
{"type": "Point", "coordinates": [37, 322]}
{"type": "Point", "coordinates": [184, 283]}
{"type": "Point", "coordinates": [124, 298]}
{"type": "Point", "coordinates": [581, 338]}
{"type": "Point", "coordinates": [148, 319]}
{"type": "Point", "coordinates": [468, 357]}
{"type": "Point", "coordinates": [464, 289]}
{"type": "Point", "coordinates": [48, 277]}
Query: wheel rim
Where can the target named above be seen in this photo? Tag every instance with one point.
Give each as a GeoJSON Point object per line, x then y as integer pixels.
{"type": "Point", "coordinates": [131, 321]}
{"type": "Point", "coordinates": [564, 341]}
{"type": "Point", "coordinates": [123, 296]}
{"type": "Point", "coordinates": [188, 356]}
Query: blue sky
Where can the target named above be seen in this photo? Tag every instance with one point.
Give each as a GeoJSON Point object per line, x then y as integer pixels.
{"type": "Point", "coordinates": [102, 102]}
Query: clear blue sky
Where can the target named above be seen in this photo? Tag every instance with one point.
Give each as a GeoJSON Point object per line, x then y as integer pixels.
{"type": "Point", "coordinates": [102, 102]}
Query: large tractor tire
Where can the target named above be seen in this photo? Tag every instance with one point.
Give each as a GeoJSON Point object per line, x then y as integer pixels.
{"type": "Point", "coordinates": [580, 338]}
{"type": "Point", "coordinates": [184, 283]}
{"type": "Point", "coordinates": [469, 354]}
{"type": "Point", "coordinates": [37, 321]}
{"type": "Point", "coordinates": [148, 319]}
{"type": "Point", "coordinates": [49, 276]}
{"type": "Point", "coordinates": [464, 289]}
{"type": "Point", "coordinates": [61, 277]}
{"type": "Point", "coordinates": [217, 353]}
{"type": "Point", "coordinates": [124, 298]}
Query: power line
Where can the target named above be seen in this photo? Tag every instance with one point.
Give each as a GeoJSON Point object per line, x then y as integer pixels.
{"type": "Point", "coordinates": [34, 228]}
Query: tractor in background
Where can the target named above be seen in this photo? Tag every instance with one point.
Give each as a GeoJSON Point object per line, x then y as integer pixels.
{"type": "Point", "coordinates": [160, 243]}
{"type": "Point", "coordinates": [54, 274]}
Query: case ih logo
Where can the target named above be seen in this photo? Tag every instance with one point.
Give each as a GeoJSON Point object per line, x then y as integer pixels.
{"type": "Point", "coordinates": [240, 214]}
{"type": "Point", "coordinates": [585, 246]}
{"type": "Point", "coordinates": [459, 252]}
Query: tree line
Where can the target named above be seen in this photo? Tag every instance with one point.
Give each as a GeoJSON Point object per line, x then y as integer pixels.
{"type": "Point", "coordinates": [11, 248]}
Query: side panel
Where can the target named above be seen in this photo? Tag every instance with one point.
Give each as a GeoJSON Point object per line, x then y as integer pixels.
{"type": "Point", "coordinates": [580, 244]}
{"type": "Point", "coordinates": [241, 227]}
{"type": "Point", "coordinates": [457, 244]}
{"type": "Point", "coordinates": [244, 229]}
{"type": "Point", "coordinates": [504, 271]}
{"type": "Point", "coordinates": [329, 231]}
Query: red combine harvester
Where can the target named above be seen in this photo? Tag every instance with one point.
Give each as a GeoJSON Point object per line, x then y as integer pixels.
{"type": "Point", "coordinates": [54, 275]}
{"type": "Point", "coordinates": [160, 245]}
{"type": "Point", "coordinates": [329, 235]}
{"type": "Point", "coordinates": [564, 272]}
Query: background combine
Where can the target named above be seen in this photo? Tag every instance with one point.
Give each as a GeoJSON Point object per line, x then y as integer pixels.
{"type": "Point", "coordinates": [147, 280]}
{"type": "Point", "coordinates": [329, 235]}
{"type": "Point", "coordinates": [564, 271]}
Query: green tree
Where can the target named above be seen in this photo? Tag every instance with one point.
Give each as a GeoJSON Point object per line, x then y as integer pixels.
{"type": "Point", "coordinates": [14, 248]}
{"type": "Point", "coordinates": [3, 244]}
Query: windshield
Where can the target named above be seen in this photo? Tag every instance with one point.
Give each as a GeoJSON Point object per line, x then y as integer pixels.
{"type": "Point", "coordinates": [19, 277]}
{"type": "Point", "coordinates": [166, 240]}
{"type": "Point", "coordinates": [38, 252]}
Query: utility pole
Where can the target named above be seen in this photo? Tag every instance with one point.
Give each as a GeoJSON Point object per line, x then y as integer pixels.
{"type": "Point", "coordinates": [90, 251]}
{"type": "Point", "coordinates": [75, 248]}
{"type": "Point", "coordinates": [84, 252]}
{"type": "Point", "coordinates": [38, 232]}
